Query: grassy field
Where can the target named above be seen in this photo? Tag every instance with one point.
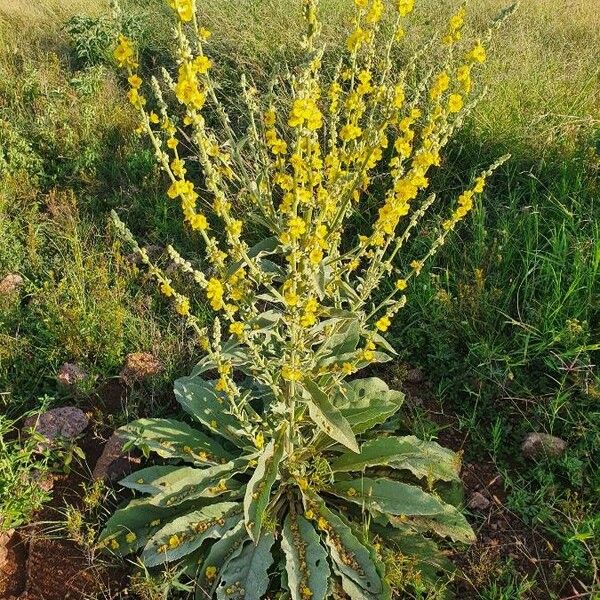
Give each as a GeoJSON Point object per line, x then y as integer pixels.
{"type": "Point", "coordinates": [504, 325]}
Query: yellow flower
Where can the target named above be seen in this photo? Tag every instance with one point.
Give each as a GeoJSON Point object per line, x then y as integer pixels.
{"type": "Point", "coordinates": [198, 222]}
{"type": "Point", "coordinates": [296, 227]}
{"type": "Point", "coordinates": [214, 292]}
{"type": "Point", "coordinates": [153, 118]}
{"type": "Point", "coordinates": [348, 368]}
{"type": "Point", "coordinates": [350, 132]}
{"type": "Point", "coordinates": [210, 573]}
{"type": "Point", "coordinates": [201, 64]}
{"type": "Point", "coordinates": [174, 541]}
{"type": "Point", "coordinates": [455, 103]}
{"type": "Point", "coordinates": [235, 228]}
{"type": "Point", "coordinates": [290, 373]}
{"type": "Point", "coordinates": [183, 307]}
{"type": "Point", "coordinates": [135, 81]}
{"type": "Point", "coordinates": [477, 54]}
{"type": "Point", "coordinates": [237, 328]}
{"type": "Point", "coordinates": [305, 111]}
{"type": "Point", "coordinates": [184, 8]}
{"type": "Point", "coordinates": [401, 284]}
{"type": "Point", "coordinates": [416, 265]}
{"type": "Point", "coordinates": [259, 440]}
{"type": "Point", "coordinates": [166, 289]}
{"type": "Point", "coordinates": [124, 53]}
{"type": "Point", "coordinates": [405, 7]}
{"type": "Point", "coordinates": [204, 33]}
{"type": "Point", "coordinates": [130, 537]}
{"type": "Point", "coordinates": [383, 324]}
{"type": "Point", "coordinates": [172, 143]}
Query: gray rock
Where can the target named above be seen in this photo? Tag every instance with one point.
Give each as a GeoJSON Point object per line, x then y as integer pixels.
{"type": "Point", "coordinates": [70, 375]}
{"type": "Point", "coordinates": [114, 463]}
{"type": "Point", "coordinates": [65, 422]}
{"type": "Point", "coordinates": [536, 445]}
{"type": "Point", "coordinates": [478, 502]}
{"type": "Point", "coordinates": [414, 376]}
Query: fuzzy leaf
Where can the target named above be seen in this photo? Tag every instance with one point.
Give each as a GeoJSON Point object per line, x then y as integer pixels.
{"type": "Point", "coordinates": [368, 402]}
{"type": "Point", "coordinates": [245, 576]}
{"type": "Point", "coordinates": [174, 439]}
{"type": "Point", "coordinates": [347, 552]}
{"type": "Point", "coordinates": [387, 496]}
{"type": "Point", "coordinates": [328, 418]}
{"type": "Point", "coordinates": [187, 533]}
{"type": "Point", "coordinates": [422, 459]}
{"type": "Point", "coordinates": [139, 518]}
{"type": "Point", "coordinates": [220, 553]}
{"type": "Point", "coordinates": [258, 489]}
{"type": "Point", "coordinates": [154, 480]}
{"type": "Point", "coordinates": [200, 399]}
{"type": "Point", "coordinates": [306, 559]}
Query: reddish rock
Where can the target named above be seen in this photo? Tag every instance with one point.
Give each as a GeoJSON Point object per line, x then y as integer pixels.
{"type": "Point", "coordinates": [10, 284]}
{"type": "Point", "coordinates": [140, 365]}
{"type": "Point", "coordinates": [65, 422]}
{"type": "Point", "coordinates": [478, 502]}
{"type": "Point", "coordinates": [70, 375]}
{"type": "Point", "coordinates": [537, 445]}
{"type": "Point", "coordinates": [12, 564]}
{"type": "Point", "coordinates": [114, 463]}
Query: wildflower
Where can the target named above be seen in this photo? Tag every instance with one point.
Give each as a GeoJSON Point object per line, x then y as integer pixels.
{"type": "Point", "coordinates": [405, 7]}
{"type": "Point", "coordinates": [259, 440]}
{"type": "Point", "coordinates": [290, 373]}
{"type": "Point", "coordinates": [210, 573]}
{"type": "Point", "coordinates": [166, 289]}
{"type": "Point", "coordinates": [184, 9]}
{"type": "Point", "coordinates": [204, 34]}
{"type": "Point", "coordinates": [383, 324]}
{"type": "Point", "coordinates": [124, 53]}
{"type": "Point", "coordinates": [440, 85]}
{"type": "Point", "coordinates": [477, 54]}
{"type": "Point", "coordinates": [130, 537]}
{"type": "Point", "coordinates": [177, 167]}
{"type": "Point", "coordinates": [237, 328]}
{"type": "Point", "coordinates": [153, 118]}
{"type": "Point", "coordinates": [172, 143]}
{"type": "Point", "coordinates": [296, 227]}
{"type": "Point", "coordinates": [350, 132]}
{"type": "Point", "coordinates": [455, 103]}
{"type": "Point", "coordinates": [367, 353]}
{"type": "Point", "coordinates": [174, 541]}
{"type": "Point", "coordinates": [198, 222]}
{"type": "Point", "coordinates": [305, 111]}
{"type": "Point", "coordinates": [214, 292]}
{"type": "Point", "coordinates": [401, 284]}
{"type": "Point", "coordinates": [201, 64]}
{"type": "Point", "coordinates": [348, 368]}
{"type": "Point", "coordinates": [183, 307]}
{"type": "Point", "coordinates": [135, 81]}
{"type": "Point", "coordinates": [235, 228]}
{"type": "Point", "coordinates": [357, 38]}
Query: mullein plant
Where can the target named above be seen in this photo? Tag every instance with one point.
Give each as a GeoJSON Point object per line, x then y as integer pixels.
{"type": "Point", "coordinates": [290, 480]}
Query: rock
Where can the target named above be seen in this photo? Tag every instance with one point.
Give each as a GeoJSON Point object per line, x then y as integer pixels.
{"type": "Point", "coordinates": [65, 422]}
{"type": "Point", "coordinates": [113, 462]}
{"type": "Point", "coordinates": [140, 365]}
{"type": "Point", "coordinates": [12, 564]}
{"type": "Point", "coordinates": [536, 445]}
{"type": "Point", "coordinates": [70, 375]}
{"type": "Point", "coordinates": [414, 376]}
{"type": "Point", "coordinates": [10, 284]}
{"type": "Point", "coordinates": [478, 502]}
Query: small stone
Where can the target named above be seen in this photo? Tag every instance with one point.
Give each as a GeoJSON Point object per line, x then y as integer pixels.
{"type": "Point", "coordinates": [65, 422]}
{"type": "Point", "coordinates": [479, 502]}
{"type": "Point", "coordinates": [140, 365]}
{"type": "Point", "coordinates": [10, 284]}
{"type": "Point", "coordinates": [414, 376]}
{"type": "Point", "coordinates": [537, 445]}
{"type": "Point", "coordinates": [70, 375]}
{"type": "Point", "coordinates": [114, 463]}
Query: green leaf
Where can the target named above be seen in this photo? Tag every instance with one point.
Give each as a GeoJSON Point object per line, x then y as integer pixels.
{"type": "Point", "coordinates": [174, 439]}
{"type": "Point", "coordinates": [422, 459]}
{"type": "Point", "coordinates": [220, 553]}
{"type": "Point", "coordinates": [450, 522]}
{"type": "Point", "coordinates": [328, 418]}
{"type": "Point", "coordinates": [154, 480]}
{"type": "Point", "coordinates": [245, 576]}
{"type": "Point", "coordinates": [306, 559]}
{"type": "Point", "coordinates": [139, 518]}
{"type": "Point", "coordinates": [350, 556]}
{"type": "Point", "coordinates": [258, 489]}
{"type": "Point", "coordinates": [200, 399]}
{"type": "Point", "coordinates": [367, 402]}
{"type": "Point", "coordinates": [202, 483]}
{"type": "Point", "coordinates": [187, 533]}
{"type": "Point", "coordinates": [387, 496]}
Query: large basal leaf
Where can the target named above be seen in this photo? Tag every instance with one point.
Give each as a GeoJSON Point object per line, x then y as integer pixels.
{"type": "Point", "coordinates": [176, 440]}
{"type": "Point", "coordinates": [306, 559]}
{"type": "Point", "coordinates": [350, 556]}
{"type": "Point", "coordinates": [220, 553]}
{"type": "Point", "coordinates": [328, 418]}
{"type": "Point", "coordinates": [422, 459]}
{"type": "Point", "coordinates": [367, 402]}
{"type": "Point", "coordinates": [258, 489]}
{"type": "Point", "coordinates": [130, 527]}
{"type": "Point", "coordinates": [157, 479]}
{"type": "Point", "coordinates": [245, 576]}
{"type": "Point", "coordinates": [187, 533]}
{"type": "Point", "coordinates": [387, 496]}
{"type": "Point", "coordinates": [200, 399]}
{"type": "Point", "coordinates": [450, 522]}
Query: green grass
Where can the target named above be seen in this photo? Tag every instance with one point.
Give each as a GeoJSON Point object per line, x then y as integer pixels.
{"type": "Point", "coordinates": [505, 323]}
